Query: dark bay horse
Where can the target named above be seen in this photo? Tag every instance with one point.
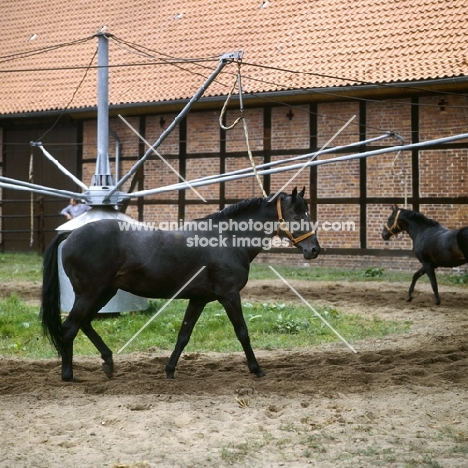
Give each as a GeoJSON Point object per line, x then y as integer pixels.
{"type": "Point", "coordinates": [433, 244]}
{"type": "Point", "coordinates": [101, 257]}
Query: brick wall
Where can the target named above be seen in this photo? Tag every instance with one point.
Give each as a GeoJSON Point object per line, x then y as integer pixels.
{"type": "Point", "coordinates": [235, 138]}
{"type": "Point", "coordinates": [299, 179]}
{"type": "Point", "coordinates": [443, 173]}
{"type": "Point", "coordinates": [338, 225]}
{"type": "Point", "coordinates": [331, 118]}
{"type": "Point", "coordinates": [361, 262]}
{"type": "Point", "coordinates": [203, 132]}
{"type": "Point", "coordinates": [242, 188]}
{"type": "Point", "coordinates": [155, 126]}
{"type": "Point", "coordinates": [442, 116]}
{"type": "Point", "coordinates": [393, 116]}
{"type": "Point", "coordinates": [289, 131]}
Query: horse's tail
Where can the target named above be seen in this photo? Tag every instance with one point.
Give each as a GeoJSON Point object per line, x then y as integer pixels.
{"type": "Point", "coordinates": [50, 301]}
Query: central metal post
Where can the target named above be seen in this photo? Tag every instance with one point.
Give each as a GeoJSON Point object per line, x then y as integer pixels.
{"type": "Point", "coordinates": [102, 176]}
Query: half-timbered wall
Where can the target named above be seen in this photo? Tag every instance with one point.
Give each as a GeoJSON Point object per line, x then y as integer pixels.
{"type": "Point", "coordinates": [355, 194]}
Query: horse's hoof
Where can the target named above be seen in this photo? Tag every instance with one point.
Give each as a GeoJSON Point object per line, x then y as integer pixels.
{"type": "Point", "coordinates": [108, 370]}
{"type": "Point", "coordinates": [409, 299]}
{"type": "Point", "coordinates": [258, 372]}
{"type": "Point", "coordinates": [437, 302]}
{"type": "Point", "coordinates": [170, 371]}
{"type": "Point", "coordinates": [67, 378]}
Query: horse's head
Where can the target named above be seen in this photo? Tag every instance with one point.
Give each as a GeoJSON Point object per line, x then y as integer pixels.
{"type": "Point", "coordinates": [295, 224]}
{"type": "Point", "coordinates": [393, 225]}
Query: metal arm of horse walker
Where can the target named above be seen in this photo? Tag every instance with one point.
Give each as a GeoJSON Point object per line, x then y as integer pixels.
{"type": "Point", "coordinates": [294, 167]}
{"type": "Point", "coordinates": [224, 59]}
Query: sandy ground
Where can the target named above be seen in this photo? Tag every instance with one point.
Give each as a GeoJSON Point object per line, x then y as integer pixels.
{"type": "Point", "coordinates": [401, 401]}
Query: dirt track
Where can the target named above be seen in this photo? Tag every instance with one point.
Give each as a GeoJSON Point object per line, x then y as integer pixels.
{"type": "Point", "coordinates": [401, 401]}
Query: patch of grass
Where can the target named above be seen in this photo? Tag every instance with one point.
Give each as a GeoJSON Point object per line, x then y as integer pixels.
{"type": "Point", "coordinates": [374, 272]}
{"type": "Point", "coordinates": [430, 462]}
{"type": "Point", "coordinates": [20, 330]}
{"type": "Point", "coordinates": [259, 271]}
{"type": "Point", "coordinates": [238, 453]}
{"type": "Point", "coordinates": [288, 427]}
{"type": "Point", "coordinates": [427, 461]}
{"type": "Point", "coordinates": [20, 267]}
{"type": "Point", "coordinates": [271, 326]}
{"type": "Point", "coordinates": [459, 437]}
{"type": "Point", "coordinates": [457, 279]}
{"type": "Point", "coordinates": [313, 273]}
{"type": "Point", "coordinates": [313, 445]}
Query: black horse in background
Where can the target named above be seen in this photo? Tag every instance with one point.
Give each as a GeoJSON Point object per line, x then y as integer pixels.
{"type": "Point", "coordinates": [433, 244]}
{"type": "Point", "coordinates": [101, 257]}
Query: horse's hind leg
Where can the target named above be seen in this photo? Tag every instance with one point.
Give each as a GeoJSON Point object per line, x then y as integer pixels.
{"type": "Point", "coordinates": [83, 310]}
{"type": "Point", "coordinates": [416, 276]}
{"type": "Point", "coordinates": [70, 328]}
{"type": "Point", "coordinates": [432, 277]}
{"type": "Point", "coordinates": [232, 304]}
{"type": "Point", "coordinates": [106, 353]}
{"type": "Point", "coordinates": [192, 314]}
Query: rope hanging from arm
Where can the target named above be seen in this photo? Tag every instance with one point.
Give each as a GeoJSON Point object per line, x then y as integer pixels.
{"type": "Point", "coordinates": [403, 173]}
{"type": "Point", "coordinates": [238, 82]}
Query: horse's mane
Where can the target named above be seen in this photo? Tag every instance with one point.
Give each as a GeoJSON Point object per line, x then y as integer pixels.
{"type": "Point", "coordinates": [237, 208]}
{"type": "Point", "coordinates": [233, 210]}
{"type": "Point", "coordinates": [423, 219]}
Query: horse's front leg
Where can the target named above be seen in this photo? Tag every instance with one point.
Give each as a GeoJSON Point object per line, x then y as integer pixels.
{"type": "Point", "coordinates": [416, 276]}
{"type": "Point", "coordinates": [192, 314]}
{"type": "Point", "coordinates": [430, 270]}
{"type": "Point", "coordinates": [106, 353]}
{"type": "Point", "coordinates": [232, 304]}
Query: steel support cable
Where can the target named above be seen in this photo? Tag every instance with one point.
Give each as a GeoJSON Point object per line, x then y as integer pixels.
{"type": "Point", "coordinates": [138, 48]}
{"type": "Point", "coordinates": [72, 98]}
{"type": "Point", "coordinates": [176, 62]}
{"type": "Point", "coordinates": [187, 60]}
{"type": "Point", "coordinates": [42, 50]}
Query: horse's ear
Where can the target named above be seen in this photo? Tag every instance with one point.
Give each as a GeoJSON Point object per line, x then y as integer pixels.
{"type": "Point", "coordinates": [302, 192]}
{"type": "Point", "coordinates": [294, 194]}
{"type": "Point", "coordinates": [395, 207]}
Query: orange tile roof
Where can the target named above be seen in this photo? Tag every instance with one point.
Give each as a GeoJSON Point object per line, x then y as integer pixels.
{"type": "Point", "coordinates": [287, 44]}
